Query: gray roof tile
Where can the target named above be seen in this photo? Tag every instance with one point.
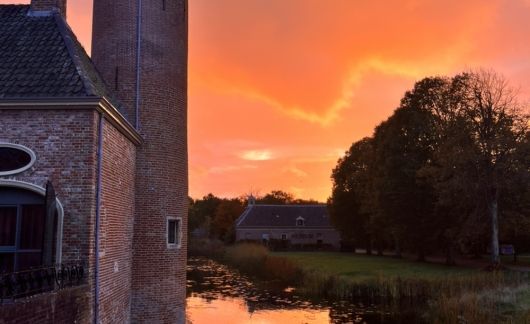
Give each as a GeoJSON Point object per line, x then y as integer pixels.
{"type": "Point", "coordinates": [40, 57]}
{"type": "Point", "coordinates": [284, 216]}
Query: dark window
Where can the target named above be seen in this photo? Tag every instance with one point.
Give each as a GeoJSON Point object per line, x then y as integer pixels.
{"type": "Point", "coordinates": [284, 237]}
{"type": "Point", "coordinates": [21, 236]}
{"type": "Point", "coordinates": [22, 230]}
{"type": "Point", "coordinates": [173, 231]}
{"type": "Point", "coordinates": [299, 222]}
{"type": "Point", "coordinates": [32, 227]}
{"type": "Point", "coordinates": [7, 262]}
{"type": "Point", "coordinates": [13, 159]}
{"type": "Point", "coordinates": [8, 225]}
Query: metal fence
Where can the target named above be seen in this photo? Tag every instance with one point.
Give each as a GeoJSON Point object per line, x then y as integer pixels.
{"type": "Point", "coordinates": [38, 280]}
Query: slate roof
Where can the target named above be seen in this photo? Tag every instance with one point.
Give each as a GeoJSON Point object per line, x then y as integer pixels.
{"type": "Point", "coordinates": [40, 57]}
{"type": "Point", "coordinates": [284, 216]}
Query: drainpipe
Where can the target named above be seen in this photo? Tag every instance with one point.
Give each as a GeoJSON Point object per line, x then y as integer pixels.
{"type": "Point", "coordinates": [98, 213]}
{"type": "Point", "coordinates": [138, 61]}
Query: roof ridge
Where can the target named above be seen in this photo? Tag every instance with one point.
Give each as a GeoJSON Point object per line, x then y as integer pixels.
{"type": "Point", "coordinates": [291, 205]}
{"type": "Point", "coordinates": [242, 217]}
{"type": "Point", "coordinates": [67, 34]}
{"type": "Point", "coordinates": [93, 82]}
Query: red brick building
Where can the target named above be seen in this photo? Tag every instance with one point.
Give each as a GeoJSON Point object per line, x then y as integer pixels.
{"type": "Point", "coordinates": [93, 163]}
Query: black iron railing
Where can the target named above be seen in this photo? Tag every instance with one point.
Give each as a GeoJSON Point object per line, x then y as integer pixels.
{"type": "Point", "coordinates": [38, 280]}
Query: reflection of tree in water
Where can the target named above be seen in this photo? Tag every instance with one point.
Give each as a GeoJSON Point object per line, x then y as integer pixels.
{"type": "Point", "coordinates": [210, 280]}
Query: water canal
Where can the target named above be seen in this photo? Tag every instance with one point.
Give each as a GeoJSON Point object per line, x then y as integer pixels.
{"type": "Point", "coordinates": [217, 294]}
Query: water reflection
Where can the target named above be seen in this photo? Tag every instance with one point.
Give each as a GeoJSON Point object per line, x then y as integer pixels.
{"type": "Point", "coordinates": [216, 294]}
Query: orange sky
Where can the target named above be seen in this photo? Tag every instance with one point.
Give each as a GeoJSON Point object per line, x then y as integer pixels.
{"type": "Point", "coordinates": [278, 89]}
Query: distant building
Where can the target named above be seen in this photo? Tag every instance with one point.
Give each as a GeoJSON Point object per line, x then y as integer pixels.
{"type": "Point", "coordinates": [295, 225]}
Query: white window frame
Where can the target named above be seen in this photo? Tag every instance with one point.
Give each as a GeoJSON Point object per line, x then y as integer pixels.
{"type": "Point", "coordinates": [300, 218]}
{"type": "Point", "coordinates": [22, 148]}
{"type": "Point", "coordinates": [177, 244]}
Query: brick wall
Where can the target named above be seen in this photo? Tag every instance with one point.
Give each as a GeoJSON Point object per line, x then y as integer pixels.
{"type": "Point", "coordinates": [65, 145]}
{"type": "Point", "coordinates": [116, 227]}
{"type": "Point", "coordinates": [159, 273]}
{"type": "Point", "coordinates": [70, 305]}
{"type": "Point", "coordinates": [114, 49]}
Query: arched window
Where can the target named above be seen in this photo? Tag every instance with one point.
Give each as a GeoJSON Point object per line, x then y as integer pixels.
{"type": "Point", "coordinates": [300, 221]}
{"type": "Point", "coordinates": [24, 229]}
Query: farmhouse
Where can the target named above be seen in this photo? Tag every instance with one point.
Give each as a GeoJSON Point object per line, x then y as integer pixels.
{"type": "Point", "coordinates": [295, 225]}
{"type": "Point", "coordinates": [93, 164]}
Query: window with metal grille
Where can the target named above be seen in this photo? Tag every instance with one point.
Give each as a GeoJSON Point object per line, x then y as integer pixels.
{"type": "Point", "coordinates": [23, 231]}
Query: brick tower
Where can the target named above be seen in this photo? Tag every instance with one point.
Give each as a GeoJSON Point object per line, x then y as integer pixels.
{"type": "Point", "coordinates": [140, 49]}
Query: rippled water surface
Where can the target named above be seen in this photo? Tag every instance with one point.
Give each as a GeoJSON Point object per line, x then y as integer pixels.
{"type": "Point", "coordinates": [217, 294]}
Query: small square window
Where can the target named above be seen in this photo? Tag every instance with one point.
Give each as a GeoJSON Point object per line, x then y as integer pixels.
{"type": "Point", "coordinates": [284, 237]}
{"type": "Point", "coordinates": [173, 232]}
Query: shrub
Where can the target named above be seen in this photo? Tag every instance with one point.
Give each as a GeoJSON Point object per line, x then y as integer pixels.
{"type": "Point", "coordinates": [213, 249]}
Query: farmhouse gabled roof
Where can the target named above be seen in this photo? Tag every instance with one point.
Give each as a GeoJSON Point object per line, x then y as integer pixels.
{"type": "Point", "coordinates": [40, 57]}
{"type": "Point", "coordinates": [284, 216]}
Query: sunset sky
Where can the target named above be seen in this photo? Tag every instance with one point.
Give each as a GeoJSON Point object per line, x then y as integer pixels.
{"type": "Point", "coordinates": [279, 89]}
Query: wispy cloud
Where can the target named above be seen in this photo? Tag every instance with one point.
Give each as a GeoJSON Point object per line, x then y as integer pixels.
{"type": "Point", "coordinates": [231, 168]}
{"type": "Point", "coordinates": [295, 171]}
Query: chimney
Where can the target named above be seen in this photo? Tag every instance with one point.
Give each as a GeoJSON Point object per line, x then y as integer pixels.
{"type": "Point", "coordinates": [47, 7]}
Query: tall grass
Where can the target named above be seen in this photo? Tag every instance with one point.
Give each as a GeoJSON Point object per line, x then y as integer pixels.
{"type": "Point", "coordinates": [500, 305]}
{"type": "Point", "coordinates": [255, 260]}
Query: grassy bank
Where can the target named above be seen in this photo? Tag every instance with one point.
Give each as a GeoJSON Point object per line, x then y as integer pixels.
{"type": "Point", "coordinates": [454, 294]}
{"type": "Point", "coordinates": [447, 294]}
{"type": "Point", "coordinates": [362, 267]}
{"type": "Point", "coordinates": [522, 260]}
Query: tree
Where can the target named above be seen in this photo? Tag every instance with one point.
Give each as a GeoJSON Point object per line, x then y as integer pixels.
{"type": "Point", "coordinates": [223, 222]}
{"type": "Point", "coordinates": [440, 98]}
{"type": "Point", "coordinates": [348, 205]}
{"type": "Point", "coordinates": [403, 144]}
{"type": "Point", "coordinates": [276, 197]}
{"type": "Point", "coordinates": [478, 127]}
{"type": "Point", "coordinates": [496, 125]}
{"type": "Point", "coordinates": [449, 169]}
{"type": "Point", "coordinates": [202, 211]}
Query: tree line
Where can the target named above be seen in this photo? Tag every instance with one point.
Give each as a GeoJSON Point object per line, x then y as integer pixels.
{"type": "Point", "coordinates": [215, 217]}
{"type": "Point", "coordinates": [448, 172]}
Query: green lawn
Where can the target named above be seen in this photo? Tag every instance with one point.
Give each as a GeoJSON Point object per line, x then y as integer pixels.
{"type": "Point", "coordinates": [522, 260]}
{"type": "Point", "coordinates": [361, 267]}
{"type": "Point", "coordinates": [524, 299]}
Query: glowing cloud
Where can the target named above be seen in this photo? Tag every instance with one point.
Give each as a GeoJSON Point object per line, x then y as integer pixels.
{"type": "Point", "coordinates": [256, 155]}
